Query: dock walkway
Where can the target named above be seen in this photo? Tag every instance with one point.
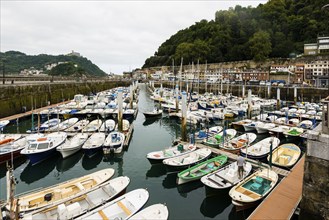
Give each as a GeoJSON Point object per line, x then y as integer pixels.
{"type": "Point", "coordinates": [35, 111]}
{"type": "Point", "coordinates": [284, 199]}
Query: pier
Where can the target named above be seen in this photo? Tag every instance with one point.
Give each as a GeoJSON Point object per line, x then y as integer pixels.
{"type": "Point", "coordinates": [282, 202]}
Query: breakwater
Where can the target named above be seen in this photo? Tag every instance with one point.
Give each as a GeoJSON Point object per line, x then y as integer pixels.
{"type": "Point", "coordinates": [17, 99]}
{"type": "Point", "coordinates": [304, 94]}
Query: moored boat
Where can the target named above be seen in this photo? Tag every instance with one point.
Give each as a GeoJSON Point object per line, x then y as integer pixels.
{"type": "Point", "coordinates": [239, 124]}
{"type": "Point", "coordinates": [186, 160]}
{"type": "Point", "coordinates": [177, 150]}
{"type": "Point", "coordinates": [93, 144]}
{"type": "Point", "coordinates": [263, 127]}
{"type": "Point", "coordinates": [121, 208]}
{"type": "Point", "coordinates": [237, 143]}
{"type": "Point", "coordinates": [11, 150]}
{"type": "Point", "coordinates": [78, 126]}
{"type": "Point", "coordinates": [203, 134]}
{"type": "Point", "coordinates": [225, 177]}
{"type": "Point", "coordinates": [293, 132]}
{"type": "Point", "coordinates": [286, 155]}
{"type": "Point", "coordinates": [44, 147]}
{"type": "Point", "coordinates": [155, 113]}
{"type": "Point", "coordinates": [108, 126]}
{"type": "Point", "coordinates": [4, 123]}
{"type": "Point", "coordinates": [83, 202]}
{"type": "Point", "coordinates": [63, 125]}
{"type": "Point", "coordinates": [93, 126]}
{"type": "Point", "coordinates": [72, 145]}
{"type": "Point", "coordinates": [261, 149]}
{"type": "Point", "coordinates": [152, 212]}
{"type": "Point", "coordinates": [114, 143]}
{"type": "Point", "coordinates": [201, 169]}
{"type": "Point", "coordinates": [53, 195]}
{"type": "Point", "coordinates": [220, 138]}
{"type": "Point", "coordinates": [253, 188]}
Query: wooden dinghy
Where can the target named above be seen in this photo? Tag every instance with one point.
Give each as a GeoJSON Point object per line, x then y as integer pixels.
{"type": "Point", "coordinates": [153, 212]}
{"type": "Point", "coordinates": [253, 188]}
{"type": "Point", "coordinates": [81, 204]}
{"type": "Point", "coordinates": [286, 155]}
{"type": "Point", "coordinates": [225, 177]}
{"type": "Point", "coordinates": [186, 160]}
{"type": "Point", "coordinates": [54, 195]}
{"type": "Point", "coordinates": [121, 208]}
{"type": "Point", "coordinates": [12, 149]}
{"type": "Point", "coordinates": [201, 169]}
{"type": "Point", "coordinates": [174, 151]}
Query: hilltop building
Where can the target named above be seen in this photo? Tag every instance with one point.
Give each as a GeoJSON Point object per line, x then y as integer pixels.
{"type": "Point", "coordinates": [320, 47]}
{"type": "Point", "coordinates": [74, 53]}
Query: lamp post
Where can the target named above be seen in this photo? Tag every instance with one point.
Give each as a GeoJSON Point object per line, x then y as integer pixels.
{"type": "Point", "coordinates": [326, 7]}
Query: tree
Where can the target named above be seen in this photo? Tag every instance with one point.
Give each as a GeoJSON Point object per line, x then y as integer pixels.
{"type": "Point", "coordinates": [260, 45]}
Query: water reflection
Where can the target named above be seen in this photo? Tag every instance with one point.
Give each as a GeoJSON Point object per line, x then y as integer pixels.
{"type": "Point", "coordinates": [156, 170]}
{"type": "Point", "coordinates": [169, 181]}
{"type": "Point", "coordinates": [149, 121]}
{"type": "Point", "coordinates": [17, 162]}
{"type": "Point", "coordinates": [214, 205]}
{"type": "Point", "coordinates": [115, 159]}
{"type": "Point", "coordinates": [33, 173]}
{"type": "Point", "coordinates": [184, 189]}
{"type": "Point", "coordinates": [69, 162]}
{"type": "Point", "coordinates": [89, 163]}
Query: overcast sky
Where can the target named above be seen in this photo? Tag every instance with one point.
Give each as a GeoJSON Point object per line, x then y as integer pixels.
{"type": "Point", "coordinates": [115, 35]}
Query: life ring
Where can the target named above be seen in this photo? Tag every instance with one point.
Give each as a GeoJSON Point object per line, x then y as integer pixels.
{"type": "Point", "coordinates": [7, 140]}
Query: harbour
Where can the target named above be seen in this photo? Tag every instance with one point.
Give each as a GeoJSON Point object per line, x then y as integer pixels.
{"type": "Point", "coordinates": [160, 183]}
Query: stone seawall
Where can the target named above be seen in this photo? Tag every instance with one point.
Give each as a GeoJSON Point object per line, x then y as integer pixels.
{"type": "Point", "coordinates": [16, 99]}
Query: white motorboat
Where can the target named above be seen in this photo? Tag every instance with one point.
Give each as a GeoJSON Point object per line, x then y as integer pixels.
{"type": "Point", "coordinates": [114, 143]}
{"type": "Point", "coordinates": [93, 144]}
{"type": "Point", "coordinates": [177, 150]}
{"type": "Point", "coordinates": [225, 177]}
{"type": "Point", "coordinates": [261, 149]}
{"type": "Point", "coordinates": [72, 145]}
{"type": "Point", "coordinates": [44, 147]}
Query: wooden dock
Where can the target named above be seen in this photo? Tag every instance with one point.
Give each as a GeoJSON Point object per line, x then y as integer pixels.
{"type": "Point", "coordinates": [254, 163]}
{"type": "Point", "coordinates": [282, 202]}
{"type": "Point", "coordinates": [128, 135]}
{"type": "Point", "coordinates": [35, 111]}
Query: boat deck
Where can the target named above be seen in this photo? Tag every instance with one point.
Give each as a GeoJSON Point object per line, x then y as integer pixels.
{"type": "Point", "coordinates": [282, 201]}
{"type": "Point", "coordinates": [35, 111]}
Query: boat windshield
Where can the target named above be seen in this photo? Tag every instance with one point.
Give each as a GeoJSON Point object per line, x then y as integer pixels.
{"type": "Point", "coordinates": [43, 146]}
{"type": "Point", "coordinates": [32, 146]}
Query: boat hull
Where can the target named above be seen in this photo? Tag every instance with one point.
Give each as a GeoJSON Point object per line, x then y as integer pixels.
{"type": "Point", "coordinates": [38, 157]}
{"type": "Point", "coordinates": [68, 152]}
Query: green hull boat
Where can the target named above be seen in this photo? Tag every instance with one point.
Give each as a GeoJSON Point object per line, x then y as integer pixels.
{"type": "Point", "coordinates": [201, 169]}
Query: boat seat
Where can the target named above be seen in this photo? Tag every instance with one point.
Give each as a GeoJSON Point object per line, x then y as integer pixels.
{"type": "Point", "coordinates": [124, 208]}
{"type": "Point", "coordinates": [231, 174]}
{"type": "Point", "coordinates": [102, 214]}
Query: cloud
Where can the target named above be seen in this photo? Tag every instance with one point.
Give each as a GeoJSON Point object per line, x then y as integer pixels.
{"type": "Point", "coordinates": [116, 35]}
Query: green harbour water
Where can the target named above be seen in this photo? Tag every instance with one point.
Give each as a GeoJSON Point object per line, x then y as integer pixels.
{"type": "Point", "coordinates": [188, 201]}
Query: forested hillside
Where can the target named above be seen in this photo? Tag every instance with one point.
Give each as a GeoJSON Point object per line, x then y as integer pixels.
{"type": "Point", "coordinates": [274, 29]}
{"type": "Point", "coordinates": [16, 61]}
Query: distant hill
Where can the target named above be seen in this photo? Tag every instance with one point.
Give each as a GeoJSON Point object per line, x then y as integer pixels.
{"type": "Point", "coordinates": [16, 61]}
{"type": "Point", "coordinates": [271, 30]}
